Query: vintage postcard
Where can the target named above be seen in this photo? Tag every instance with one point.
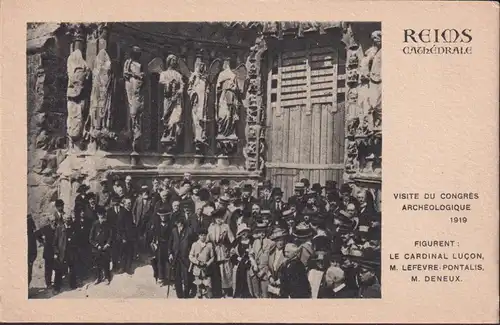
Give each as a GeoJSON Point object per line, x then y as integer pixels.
{"type": "Point", "coordinates": [222, 162]}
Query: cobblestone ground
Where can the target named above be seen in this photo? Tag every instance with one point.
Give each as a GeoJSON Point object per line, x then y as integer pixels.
{"type": "Point", "coordinates": [141, 284]}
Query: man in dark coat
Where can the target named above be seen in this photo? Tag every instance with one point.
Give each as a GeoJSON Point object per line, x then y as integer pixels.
{"type": "Point", "coordinates": [112, 218]}
{"type": "Point", "coordinates": [297, 200]}
{"type": "Point", "coordinates": [334, 286]}
{"type": "Point", "coordinates": [59, 213]}
{"type": "Point", "coordinates": [179, 247]}
{"type": "Point", "coordinates": [101, 239]}
{"type": "Point", "coordinates": [66, 242]}
{"type": "Point", "coordinates": [247, 199]}
{"type": "Point", "coordinates": [164, 203]}
{"type": "Point", "coordinates": [125, 236]}
{"type": "Point", "coordinates": [142, 210]}
{"type": "Point", "coordinates": [129, 189]}
{"type": "Point", "coordinates": [81, 199]}
{"type": "Point", "coordinates": [293, 278]}
{"type": "Point", "coordinates": [46, 236]}
{"type": "Point", "coordinates": [32, 249]}
{"type": "Point", "coordinates": [155, 192]}
{"type": "Point", "coordinates": [266, 199]}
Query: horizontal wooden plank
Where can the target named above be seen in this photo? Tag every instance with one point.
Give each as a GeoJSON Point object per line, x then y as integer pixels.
{"type": "Point", "coordinates": [293, 89]}
{"type": "Point", "coordinates": [321, 72]}
{"type": "Point", "coordinates": [322, 100]}
{"type": "Point", "coordinates": [294, 102]}
{"type": "Point", "coordinates": [322, 92]}
{"type": "Point", "coordinates": [321, 79]}
{"type": "Point", "coordinates": [293, 68]}
{"type": "Point", "coordinates": [304, 166]}
{"type": "Point", "coordinates": [322, 85]}
{"type": "Point", "coordinates": [293, 96]}
{"type": "Point", "coordinates": [293, 75]}
{"type": "Point", "coordinates": [293, 82]}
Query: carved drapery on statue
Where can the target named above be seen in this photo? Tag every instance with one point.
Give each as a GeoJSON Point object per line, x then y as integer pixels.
{"type": "Point", "coordinates": [230, 92]}
{"type": "Point", "coordinates": [134, 82]}
{"type": "Point", "coordinates": [100, 113]}
{"type": "Point", "coordinates": [364, 108]}
{"type": "Point", "coordinates": [77, 94]}
{"type": "Point", "coordinates": [173, 104]}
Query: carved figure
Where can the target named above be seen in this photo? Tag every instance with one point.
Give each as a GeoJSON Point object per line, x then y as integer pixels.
{"type": "Point", "coordinates": [77, 94]}
{"type": "Point", "coordinates": [99, 119]}
{"type": "Point", "coordinates": [134, 82]}
{"type": "Point", "coordinates": [173, 102]}
{"type": "Point", "coordinates": [370, 75]}
{"type": "Point", "coordinates": [198, 87]}
{"type": "Point", "coordinates": [230, 91]}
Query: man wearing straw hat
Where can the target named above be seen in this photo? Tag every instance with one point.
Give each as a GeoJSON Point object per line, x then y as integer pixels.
{"type": "Point", "coordinates": [276, 260]}
{"type": "Point", "coordinates": [259, 256]}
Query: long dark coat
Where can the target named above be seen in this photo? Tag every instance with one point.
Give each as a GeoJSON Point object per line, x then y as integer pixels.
{"type": "Point", "coordinates": [293, 280]}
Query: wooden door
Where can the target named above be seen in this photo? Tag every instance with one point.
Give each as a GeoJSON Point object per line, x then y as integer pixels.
{"type": "Point", "coordinates": [305, 116]}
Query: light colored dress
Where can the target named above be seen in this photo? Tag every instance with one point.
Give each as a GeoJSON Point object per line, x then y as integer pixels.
{"type": "Point", "coordinates": [221, 236]}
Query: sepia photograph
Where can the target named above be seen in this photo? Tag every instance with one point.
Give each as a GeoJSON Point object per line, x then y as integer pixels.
{"type": "Point", "coordinates": [202, 160]}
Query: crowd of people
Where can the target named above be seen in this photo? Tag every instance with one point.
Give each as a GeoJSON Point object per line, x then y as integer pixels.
{"type": "Point", "coordinates": [214, 240]}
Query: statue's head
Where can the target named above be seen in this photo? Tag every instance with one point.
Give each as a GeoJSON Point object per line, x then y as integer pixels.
{"type": "Point", "coordinates": [200, 67]}
{"type": "Point", "coordinates": [377, 38]}
{"type": "Point", "coordinates": [172, 61]}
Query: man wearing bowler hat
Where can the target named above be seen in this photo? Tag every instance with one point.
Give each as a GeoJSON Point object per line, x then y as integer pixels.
{"type": "Point", "coordinates": [277, 204]}
{"type": "Point", "coordinates": [303, 234]}
{"type": "Point", "coordinates": [59, 213]}
{"type": "Point", "coordinates": [298, 199]}
{"type": "Point", "coordinates": [266, 197]}
{"type": "Point", "coordinates": [247, 198]}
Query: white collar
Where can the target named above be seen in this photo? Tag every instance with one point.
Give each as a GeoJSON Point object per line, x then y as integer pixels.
{"type": "Point", "coordinates": [340, 287]}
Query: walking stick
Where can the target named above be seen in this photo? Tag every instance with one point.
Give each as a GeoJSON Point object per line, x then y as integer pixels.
{"type": "Point", "coordinates": [170, 269]}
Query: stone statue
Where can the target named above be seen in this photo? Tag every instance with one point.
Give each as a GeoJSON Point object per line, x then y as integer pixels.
{"type": "Point", "coordinates": [370, 75]}
{"type": "Point", "coordinates": [230, 91]}
{"type": "Point", "coordinates": [173, 103]}
{"type": "Point", "coordinates": [134, 81]}
{"type": "Point", "coordinates": [77, 94]}
{"type": "Point", "coordinates": [99, 118]}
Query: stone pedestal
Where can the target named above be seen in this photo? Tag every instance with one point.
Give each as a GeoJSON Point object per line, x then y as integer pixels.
{"type": "Point", "coordinates": [222, 161]}
{"type": "Point", "coordinates": [168, 160]}
{"type": "Point", "coordinates": [198, 160]}
{"type": "Point", "coordinates": [134, 159]}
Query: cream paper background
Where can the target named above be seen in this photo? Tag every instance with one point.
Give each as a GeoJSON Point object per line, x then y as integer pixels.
{"type": "Point", "coordinates": [440, 134]}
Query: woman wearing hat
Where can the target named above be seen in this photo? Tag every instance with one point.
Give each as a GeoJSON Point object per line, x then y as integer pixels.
{"type": "Point", "coordinates": [241, 259]}
{"type": "Point", "coordinates": [221, 236]}
{"type": "Point", "coordinates": [276, 260]}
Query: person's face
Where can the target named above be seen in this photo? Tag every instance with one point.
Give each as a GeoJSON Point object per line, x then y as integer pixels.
{"type": "Point", "coordinates": [102, 218]}
{"type": "Point", "coordinates": [246, 194]}
{"type": "Point", "coordinates": [92, 201]}
{"type": "Point", "coordinates": [180, 225]}
{"type": "Point", "coordinates": [311, 201]}
{"type": "Point", "coordinates": [67, 220]}
{"type": "Point", "coordinates": [377, 40]}
{"type": "Point", "coordinates": [299, 193]}
{"type": "Point", "coordinates": [361, 198]}
{"type": "Point", "coordinates": [244, 235]}
{"type": "Point", "coordinates": [202, 237]}
{"type": "Point", "coordinates": [351, 210]}
{"type": "Point", "coordinates": [290, 222]}
{"type": "Point", "coordinates": [176, 206]}
{"type": "Point", "coordinates": [186, 210]}
{"type": "Point", "coordinates": [255, 209]}
{"type": "Point", "coordinates": [278, 197]}
{"type": "Point", "coordinates": [166, 183]}
{"type": "Point", "coordinates": [128, 180]}
{"type": "Point", "coordinates": [156, 185]}
{"type": "Point", "coordinates": [127, 204]}
{"type": "Point", "coordinates": [365, 275]}
{"type": "Point", "coordinates": [195, 191]}
{"type": "Point", "coordinates": [163, 196]}
{"type": "Point", "coordinates": [52, 222]}
{"type": "Point", "coordinates": [60, 208]}
{"type": "Point", "coordinates": [219, 221]}
{"type": "Point", "coordinates": [145, 195]}
{"type": "Point", "coordinates": [288, 254]}
{"type": "Point", "coordinates": [280, 243]}
{"type": "Point", "coordinates": [321, 264]}
{"type": "Point", "coordinates": [266, 192]}
{"type": "Point", "coordinates": [258, 234]}
{"type": "Point", "coordinates": [119, 191]}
